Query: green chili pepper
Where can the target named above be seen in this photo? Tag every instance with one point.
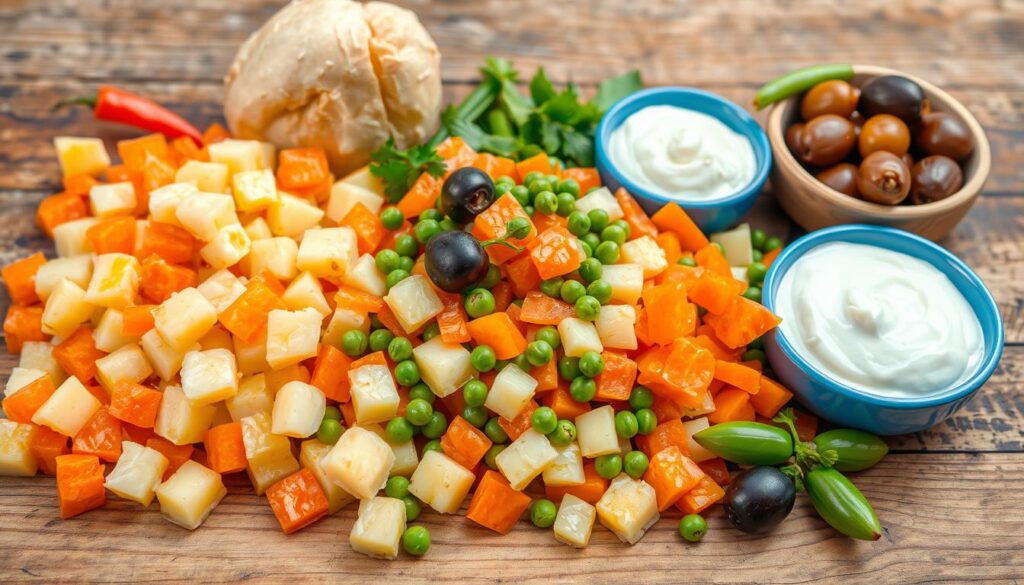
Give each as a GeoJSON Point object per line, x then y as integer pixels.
{"type": "Point", "coordinates": [856, 450]}
{"type": "Point", "coordinates": [799, 81]}
{"type": "Point", "coordinates": [747, 443]}
{"type": "Point", "coordinates": [841, 504]}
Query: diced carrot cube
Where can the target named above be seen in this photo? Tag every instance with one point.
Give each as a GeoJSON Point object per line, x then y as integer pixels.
{"type": "Point", "coordinates": [521, 423]}
{"type": "Point", "coordinates": [771, 398]}
{"type": "Point", "coordinates": [135, 404]}
{"type": "Point", "coordinates": [491, 224]}
{"type": "Point", "coordinates": [176, 455]}
{"type": "Point", "coordinates": [135, 151]}
{"type": "Point", "coordinates": [547, 376]}
{"type": "Point", "coordinates": [465, 443]}
{"type": "Point", "coordinates": [298, 168]}
{"type": "Point", "coordinates": [540, 309]}
{"type": "Point", "coordinates": [731, 404]}
{"type": "Point", "coordinates": [247, 316]}
{"type": "Point", "coordinates": [554, 252]}
{"type": "Point", "coordinates": [225, 450]}
{"type": "Point", "coordinates": [499, 332]}
{"type": "Point", "coordinates": [591, 490]}
{"type": "Point", "coordinates": [672, 474]}
{"type": "Point", "coordinates": [701, 497]}
{"type": "Point", "coordinates": [78, 354]}
{"type": "Point", "coordinates": [112, 234]}
{"type": "Point", "coordinates": [452, 319]}
{"type": "Point", "coordinates": [101, 436]}
{"type": "Point", "coordinates": [738, 375]}
{"type": "Point", "coordinates": [716, 470]}
{"type": "Point", "coordinates": [714, 292]}
{"type": "Point", "coordinates": [46, 446]}
{"type": "Point", "coordinates": [57, 209]}
{"type": "Point", "coordinates": [170, 242]}
{"type": "Point", "coordinates": [367, 226]}
{"type": "Point", "coordinates": [587, 177]}
{"type": "Point", "coordinates": [617, 379]}
{"type": "Point", "coordinates": [670, 433]}
{"type": "Point", "coordinates": [23, 324]}
{"type": "Point", "coordinates": [539, 163]}
{"type": "Point", "coordinates": [330, 374]}
{"type": "Point", "coordinates": [742, 322]}
{"type": "Point", "coordinates": [79, 484]}
{"type": "Point", "coordinates": [137, 320]}
{"type": "Point", "coordinates": [495, 504]}
{"type": "Point", "coordinates": [297, 501]}
{"type": "Point", "coordinates": [20, 278]}
{"type": "Point", "coordinates": [159, 280]}
{"type": "Point", "coordinates": [672, 218]}
{"type": "Point", "coordinates": [675, 316]}
{"type": "Point", "coordinates": [639, 224]}
{"type": "Point", "coordinates": [564, 405]}
{"type": "Point", "coordinates": [24, 403]}
{"type": "Point", "coordinates": [356, 300]}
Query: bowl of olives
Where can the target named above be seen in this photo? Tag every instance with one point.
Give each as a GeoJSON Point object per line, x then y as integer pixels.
{"type": "Point", "coordinates": [880, 147]}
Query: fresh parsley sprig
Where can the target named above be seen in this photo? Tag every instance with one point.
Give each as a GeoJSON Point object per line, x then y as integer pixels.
{"type": "Point", "coordinates": [399, 169]}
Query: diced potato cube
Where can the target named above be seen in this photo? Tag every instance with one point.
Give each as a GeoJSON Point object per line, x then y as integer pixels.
{"type": "Point", "coordinates": [736, 245]}
{"type": "Point", "coordinates": [66, 309]}
{"type": "Point", "coordinates": [188, 496]}
{"type": "Point", "coordinates": [595, 431]}
{"type": "Point", "coordinates": [365, 276]}
{"type": "Point", "coordinates": [68, 409]}
{"type": "Point", "coordinates": [179, 421]}
{"type": "Point", "coordinates": [253, 397]}
{"type": "Point", "coordinates": [414, 302]}
{"type": "Point", "coordinates": [77, 269]}
{"type": "Point", "coordinates": [310, 456]}
{"type": "Point", "coordinates": [290, 216]}
{"type": "Point", "coordinates": [406, 457]}
{"type": "Point", "coordinates": [330, 252]}
{"type": "Point", "coordinates": [305, 292]}
{"type": "Point", "coordinates": [511, 390]}
{"type": "Point", "coordinates": [16, 457]}
{"type": "Point", "coordinates": [238, 155]}
{"type": "Point", "coordinates": [164, 201]}
{"type": "Point", "coordinates": [362, 177]}
{"type": "Point", "coordinates": [444, 367]}
{"type": "Point", "coordinates": [626, 280]}
{"type": "Point", "coordinates": [345, 195]}
{"type": "Point", "coordinates": [69, 238]}
{"type": "Point", "coordinates": [228, 247]}
{"type": "Point", "coordinates": [526, 458]}
{"type": "Point", "coordinates": [251, 356]}
{"type": "Point", "coordinates": [275, 255]}
{"type": "Point", "coordinates": [707, 406]}
{"type": "Point", "coordinates": [209, 376]}
{"type": "Point", "coordinates": [374, 396]}
{"type": "Point", "coordinates": [647, 253]}
{"type": "Point", "coordinates": [567, 468]}
{"type": "Point", "coordinates": [379, 527]}
{"type": "Point", "coordinates": [258, 229]}
{"type": "Point", "coordinates": [692, 427]}
{"type": "Point", "coordinates": [600, 199]}
{"type": "Point", "coordinates": [112, 199]}
{"type": "Point", "coordinates": [574, 522]}
{"type": "Point", "coordinates": [203, 214]}
{"type": "Point", "coordinates": [270, 456]}
{"type": "Point", "coordinates": [578, 337]}
{"type": "Point", "coordinates": [166, 360]}
{"type": "Point", "coordinates": [292, 336]}
{"type": "Point", "coordinates": [211, 177]}
{"type": "Point", "coordinates": [81, 156]}
{"type": "Point", "coordinates": [184, 318]}
{"type": "Point", "coordinates": [342, 321]}
{"type": "Point", "coordinates": [359, 462]}
{"type": "Point", "coordinates": [628, 508]}
{"type": "Point", "coordinates": [254, 190]}
{"type": "Point", "coordinates": [221, 288]}
{"type": "Point", "coordinates": [126, 364]}
{"type": "Point", "coordinates": [21, 377]}
{"type": "Point", "coordinates": [109, 334]}
{"type": "Point", "coordinates": [268, 155]}
{"type": "Point", "coordinates": [137, 473]}
{"type": "Point", "coordinates": [440, 482]}
{"type": "Point", "coordinates": [39, 355]}
{"type": "Point", "coordinates": [616, 326]}
{"type": "Point", "coordinates": [217, 338]}
{"type": "Point", "coordinates": [298, 410]}
{"type": "Point", "coordinates": [115, 281]}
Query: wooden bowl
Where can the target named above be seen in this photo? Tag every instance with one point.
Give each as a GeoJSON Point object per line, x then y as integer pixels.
{"type": "Point", "coordinates": [814, 205]}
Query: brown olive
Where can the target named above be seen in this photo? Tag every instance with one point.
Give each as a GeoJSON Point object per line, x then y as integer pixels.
{"type": "Point", "coordinates": [883, 178]}
{"type": "Point", "coordinates": [842, 178]}
{"type": "Point", "coordinates": [826, 140]}
{"type": "Point", "coordinates": [945, 134]}
{"type": "Point", "coordinates": [829, 97]}
{"type": "Point", "coordinates": [884, 132]}
{"type": "Point", "coordinates": [892, 94]}
{"type": "Point", "coordinates": [793, 136]}
{"type": "Point", "coordinates": [908, 159]}
{"type": "Point", "coordinates": [934, 178]}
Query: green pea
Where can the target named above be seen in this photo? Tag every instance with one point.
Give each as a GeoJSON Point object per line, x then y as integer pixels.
{"type": "Point", "coordinates": [543, 513]}
{"type": "Point", "coordinates": [593, 240]}
{"type": "Point", "coordinates": [406, 246]}
{"type": "Point", "coordinates": [380, 339]}
{"type": "Point", "coordinates": [646, 421]}
{"type": "Point", "coordinates": [568, 368]}
{"type": "Point", "coordinates": [431, 331]}
{"type": "Point", "coordinates": [624, 226]}
{"type": "Point", "coordinates": [518, 227]}
{"type": "Point", "coordinates": [479, 302]}
{"type": "Point", "coordinates": [436, 426]}
{"type": "Point", "coordinates": [522, 194]}
{"type": "Point", "coordinates": [693, 527]}
{"type": "Point", "coordinates": [553, 179]}
{"type": "Point", "coordinates": [564, 433]}
{"type": "Point", "coordinates": [544, 420]}
{"type": "Point", "coordinates": [625, 424]}
{"type": "Point", "coordinates": [392, 218]}
{"type": "Point", "coordinates": [598, 219]}
{"type": "Point", "coordinates": [552, 287]}
{"type": "Point", "coordinates": [608, 466]}
{"type": "Point", "coordinates": [407, 373]}
{"type": "Point", "coordinates": [418, 411]}
{"type": "Point", "coordinates": [492, 277]}
{"type": "Point", "coordinates": [772, 243]}
{"type": "Point", "coordinates": [528, 209]}
{"type": "Point", "coordinates": [687, 261]}
{"type": "Point", "coordinates": [588, 308]}
{"type": "Point", "coordinates": [475, 415]}
{"type": "Point", "coordinates": [753, 293]}
{"type": "Point", "coordinates": [591, 269]}
{"type": "Point", "coordinates": [757, 255]}
{"type": "Point", "coordinates": [354, 343]}
{"type": "Point", "coordinates": [635, 464]}
{"type": "Point", "coordinates": [566, 204]}
{"type": "Point", "coordinates": [483, 358]}
{"type": "Point", "coordinates": [332, 413]}
{"type": "Point", "coordinates": [756, 272]}
{"type": "Point", "coordinates": [426, 229]}
{"type": "Point", "coordinates": [412, 505]}
{"type": "Point", "coordinates": [550, 335]}
{"type": "Point", "coordinates": [757, 343]}
{"type": "Point", "coordinates": [539, 352]}
{"type": "Point", "coordinates": [578, 223]}
{"type": "Point", "coordinates": [572, 290]}
{"type": "Point", "coordinates": [500, 188]}
{"type": "Point", "coordinates": [757, 239]}
{"type": "Point", "coordinates": [493, 430]}
{"type": "Point", "coordinates": [754, 355]}
{"type": "Point", "coordinates": [600, 290]}
{"type": "Point", "coordinates": [591, 364]}
{"type": "Point", "coordinates": [582, 389]}
{"type": "Point", "coordinates": [431, 214]}
{"type": "Point", "coordinates": [588, 252]}
{"type": "Point", "coordinates": [406, 263]}
{"type": "Point", "coordinates": [400, 349]}
{"type": "Point", "coordinates": [545, 202]}
{"type": "Point", "coordinates": [532, 176]}
{"type": "Point", "coordinates": [330, 431]}
{"type": "Point", "coordinates": [490, 457]}
{"type": "Point", "coordinates": [522, 362]}
{"type": "Point", "coordinates": [500, 365]}
{"type": "Point", "coordinates": [395, 276]}
{"type": "Point", "coordinates": [399, 430]}
{"type": "Point", "coordinates": [474, 393]}
{"type": "Point", "coordinates": [386, 260]}
{"type": "Point", "coordinates": [506, 179]}
{"type": "Point", "coordinates": [640, 397]}
{"type": "Point", "coordinates": [613, 233]}
{"type": "Point", "coordinates": [607, 252]}
{"type": "Point", "coordinates": [423, 392]}
{"type": "Point", "coordinates": [416, 540]}
{"type": "Point", "coordinates": [570, 186]}
{"type": "Point", "coordinates": [397, 487]}
{"type": "Point", "coordinates": [434, 445]}
{"type": "Point", "coordinates": [539, 185]}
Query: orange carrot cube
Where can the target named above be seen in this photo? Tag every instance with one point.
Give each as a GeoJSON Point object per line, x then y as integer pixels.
{"type": "Point", "coordinates": [495, 504]}
{"type": "Point", "coordinates": [79, 484]}
{"type": "Point", "coordinates": [465, 443]}
{"type": "Point", "coordinates": [672, 474]}
{"type": "Point", "coordinates": [297, 501]}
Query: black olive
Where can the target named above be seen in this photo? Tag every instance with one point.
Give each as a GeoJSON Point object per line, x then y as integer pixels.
{"type": "Point", "coordinates": [759, 499]}
{"type": "Point", "coordinates": [466, 193]}
{"type": "Point", "coordinates": [455, 261]}
{"type": "Point", "coordinates": [892, 94]}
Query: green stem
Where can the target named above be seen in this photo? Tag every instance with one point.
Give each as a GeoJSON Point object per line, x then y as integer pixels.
{"type": "Point", "coordinates": [89, 101]}
{"type": "Point", "coordinates": [471, 108]}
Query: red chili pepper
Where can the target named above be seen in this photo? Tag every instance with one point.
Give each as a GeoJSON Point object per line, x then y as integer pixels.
{"type": "Point", "coordinates": [117, 105]}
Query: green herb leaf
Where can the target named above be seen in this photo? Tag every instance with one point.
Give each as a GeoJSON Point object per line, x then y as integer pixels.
{"type": "Point", "coordinates": [578, 147]}
{"type": "Point", "coordinates": [479, 140]}
{"type": "Point", "coordinates": [551, 138]}
{"type": "Point", "coordinates": [616, 88]}
{"type": "Point", "coordinates": [399, 169]}
{"type": "Point", "coordinates": [562, 107]}
{"type": "Point", "coordinates": [541, 88]}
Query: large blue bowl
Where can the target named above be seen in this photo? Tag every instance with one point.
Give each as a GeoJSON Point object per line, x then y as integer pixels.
{"type": "Point", "coordinates": [850, 407]}
{"type": "Point", "coordinates": [711, 216]}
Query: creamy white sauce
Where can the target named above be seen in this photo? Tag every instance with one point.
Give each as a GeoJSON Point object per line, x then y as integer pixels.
{"type": "Point", "coordinates": [682, 154]}
{"type": "Point", "coordinates": [879, 321]}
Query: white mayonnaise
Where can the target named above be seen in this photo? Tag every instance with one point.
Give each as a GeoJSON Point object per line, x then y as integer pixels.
{"type": "Point", "coordinates": [879, 321]}
{"type": "Point", "coordinates": [682, 154]}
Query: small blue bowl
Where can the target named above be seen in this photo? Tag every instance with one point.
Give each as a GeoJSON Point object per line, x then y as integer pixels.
{"type": "Point", "coordinates": [850, 407]}
{"type": "Point", "coordinates": [711, 216]}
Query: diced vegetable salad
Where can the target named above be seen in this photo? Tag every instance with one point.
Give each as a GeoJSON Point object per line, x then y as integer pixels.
{"type": "Point", "coordinates": [231, 308]}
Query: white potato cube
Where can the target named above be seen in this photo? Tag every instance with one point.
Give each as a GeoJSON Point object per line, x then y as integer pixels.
{"type": "Point", "coordinates": [345, 195]}
{"type": "Point", "coordinates": [362, 177]}
{"type": "Point", "coordinates": [209, 376]}
{"type": "Point", "coordinates": [298, 410]}
{"type": "Point", "coordinates": [16, 457]}
{"type": "Point", "coordinates": [203, 214]}
{"type": "Point", "coordinates": [311, 454]}
{"type": "Point", "coordinates": [81, 156]}
{"type": "Point", "coordinates": [221, 288]}
{"type": "Point", "coordinates": [574, 522]}
{"type": "Point", "coordinates": [21, 377]}
{"type": "Point", "coordinates": [647, 253]}
{"type": "Point", "coordinates": [292, 336]}
{"type": "Point", "coordinates": [628, 508]}
{"type": "Point", "coordinates": [444, 367]}
{"type": "Point", "coordinates": [406, 458]}
{"type": "Point", "coordinates": [77, 269]}
{"type": "Point", "coordinates": [163, 202]}
{"type": "Point", "coordinates": [305, 292]}
{"type": "Point", "coordinates": [359, 462]}
{"type": "Point", "coordinates": [291, 216]}
{"type": "Point", "coordinates": [379, 527]}
{"type": "Point", "coordinates": [374, 396]}
{"type": "Point", "coordinates": [66, 309]}
{"type": "Point", "coordinates": [68, 409]}
{"type": "Point", "coordinates": [601, 199]}
{"type": "Point", "coordinates": [578, 337]}
{"type": "Point", "coordinates": [692, 427]}
{"type": "Point", "coordinates": [414, 302]}
{"type": "Point", "coordinates": [254, 190]}
{"type": "Point", "coordinates": [69, 238]}
{"type": "Point", "coordinates": [626, 280]}
{"type": "Point", "coordinates": [112, 199]}
{"type": "Point", "coordinates": [616, 326]}
{"type": "Point", "coordinates": [126, 364]}
{"type": "Point", "coordinates": [211, 177]}
{"type": "Point", "coordinates": [179, 421]}
{"type": "Point", "coordinates": [736, 245]}
{"type": "Point", "coordinates": [115, 281]}
{"type": "Point", "coordinates": [440, 482]}
{"type": "Point", "coordinates": [252, 356]}
{"type": "Point", "coordinates": [109, 333]}
{"type": "Point", "coordinates": [275, 255]}
{"type": "Point", "coordinates": [188, 496]}
{"type": "Point", "coordinates": [365, 276]}
{"type": "Point", "coordinates": [707, 406]}
{"type": "Point", "coordinates": [137, 473]}
{"type": "Point", "coordinates": [511, 390]}
{"type": "Point", "coordinates": [595, 431]}
{"type": "Point", "coordinates": [526, 458]}
{"type": "Point", "coordinates": [184, 319]}
{"type": "Point", "coordinates": [166, 360]}
{"type": "Point", "coordinates": [268, 156]}
{"type": "Point", "coordinates": [342, 321]}
{"type": "Point", "coordinates": [227, 248]}
{"type": "Point", "coordinates": [253, 396]}
{"type": "Point", "coordinates": [567, 468]}
{"type": "Point", "coordinates": [258, 229]}
{"type": "Point", "coordinates": [269, 456]}
{"type": "Point", "coordinates": [238, 155]}
{"type": "Point", "coordinates": [38, 355]}
{"type": "Point", "coordinates": [329, 252]}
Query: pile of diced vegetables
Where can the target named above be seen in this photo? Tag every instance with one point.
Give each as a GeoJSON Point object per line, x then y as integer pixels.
{"type": "Point", "coordinates": [227, 308]}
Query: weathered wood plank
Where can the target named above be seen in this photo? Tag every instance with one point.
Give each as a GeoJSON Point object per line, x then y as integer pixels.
{"type": "Point", "coordinates": [949, 517]}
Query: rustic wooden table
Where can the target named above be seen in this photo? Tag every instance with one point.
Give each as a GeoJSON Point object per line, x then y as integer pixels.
{"type": "Point", "coordinates": [950, 498]}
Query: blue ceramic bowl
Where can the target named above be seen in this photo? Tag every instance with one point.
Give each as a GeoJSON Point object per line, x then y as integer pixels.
{"type": "Point", "coordinates": [847, 406]}
{"type": "Point", "coordinates": [711, 216]}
